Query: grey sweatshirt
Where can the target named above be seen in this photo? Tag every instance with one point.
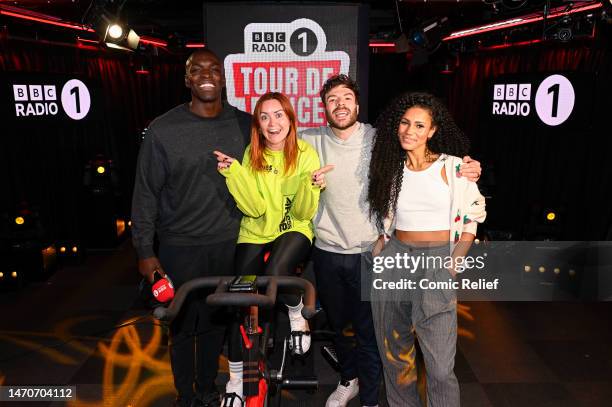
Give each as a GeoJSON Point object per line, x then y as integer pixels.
{"type": "Point", "coordinates": [178, 192]}
{"type": "Point", "coordinates": [342, 223]}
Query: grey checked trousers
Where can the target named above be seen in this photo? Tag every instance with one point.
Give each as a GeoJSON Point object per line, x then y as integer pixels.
{"type": "Point", "coordinates": [399, 314]}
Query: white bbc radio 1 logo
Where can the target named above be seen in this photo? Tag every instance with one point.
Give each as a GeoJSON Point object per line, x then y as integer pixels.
{"type": "Point", "coordinates": [512, 99]}
{"type": "Point", "coordinates": [41, 100]}
{"type": "Point", "coordinates": [554, 99]}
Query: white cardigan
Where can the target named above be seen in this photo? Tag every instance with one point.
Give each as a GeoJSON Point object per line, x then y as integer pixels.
{"type": "Point", "coordinates": [467, 203]}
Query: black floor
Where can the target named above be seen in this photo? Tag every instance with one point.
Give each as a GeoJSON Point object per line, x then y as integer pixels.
{"type": "Point", "coordinates": [61, 332]}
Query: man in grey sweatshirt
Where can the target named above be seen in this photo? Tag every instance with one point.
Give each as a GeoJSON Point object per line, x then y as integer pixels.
{"type": "Point", "coordinates": [180, 197]}
{"type": "Point", "coordinates": [344, 233]}
{"type": "Point", "coordinates": [342, 226]}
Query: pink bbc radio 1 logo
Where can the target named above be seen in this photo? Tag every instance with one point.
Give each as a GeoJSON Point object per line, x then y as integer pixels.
{"type": "Point", "coordinates": [554, 99]}
{"type": "Point", "coordinates": [42, 99]}
{"type": "Point", "coordinates": [290, 58]}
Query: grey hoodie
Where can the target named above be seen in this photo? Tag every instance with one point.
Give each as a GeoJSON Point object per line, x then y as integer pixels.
{"type": "Point", "coordinates": [342, 223]}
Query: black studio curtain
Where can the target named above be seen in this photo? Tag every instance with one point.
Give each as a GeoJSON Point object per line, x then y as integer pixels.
{"type": "Point", "coordinates": [44, 164]}
{"type": "Point", "coordinates": [541, 168]}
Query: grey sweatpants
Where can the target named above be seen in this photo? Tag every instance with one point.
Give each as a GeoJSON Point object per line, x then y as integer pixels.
{"type": "Point", "coordinates": [430, 313]}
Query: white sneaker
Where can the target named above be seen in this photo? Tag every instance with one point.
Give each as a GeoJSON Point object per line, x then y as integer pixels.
{"type": "Point", "coordinates": [345, 392]}
{"type": "Point", "coordinates": [300, 332]}
{"type": "Point", "coordinates": [233, 394]}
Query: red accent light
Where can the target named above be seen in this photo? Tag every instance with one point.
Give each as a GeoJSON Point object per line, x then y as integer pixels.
{"type": "Point", "coordinates": [87, 47]}
{"type": "Point", "coordinates": [194, 45]}
{"type": "Point", "coordinates": [143, 72]}
{"type": "Point", "coordinates": [489, 27]}
{"type": "Point", "coordinates": [527, 19]}
{"type": "Point", "coordinates": [381, 44]}
{"type": "Point", "coordinates": [58, 23]}
{"type": "Point", "coordinates": [153, 41]}
{"type": "Point", "coordinates": [513, 44]}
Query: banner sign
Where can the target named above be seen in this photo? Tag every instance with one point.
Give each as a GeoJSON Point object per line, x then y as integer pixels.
{"type": "Point", "coordinates": [291, 52]}
{"type": "Point", "coordinates": [287, 58]}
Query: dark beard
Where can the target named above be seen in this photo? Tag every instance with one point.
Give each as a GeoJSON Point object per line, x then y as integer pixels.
{"type": "Point", "coordinates": [332, 122]}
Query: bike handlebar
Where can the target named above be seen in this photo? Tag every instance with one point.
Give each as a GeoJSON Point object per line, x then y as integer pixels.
{"type": "Point", "coordinates": [221, 296]}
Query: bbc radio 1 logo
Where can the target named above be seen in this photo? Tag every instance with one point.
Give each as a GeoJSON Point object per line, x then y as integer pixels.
{"type": "Point", "coordinates": [512, 99]}
{"type": "Point", "coordinates": [554, 99]}
{"type": "Point", "coordinates": [269, 41]}
{"type": "Point", "coordinates": [302, 39]}
{"type": "Point", "coordinates": [42, 100]}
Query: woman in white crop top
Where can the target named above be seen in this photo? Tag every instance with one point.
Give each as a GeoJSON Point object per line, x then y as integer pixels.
{"type": "Point", "coordinates": [415, 185]}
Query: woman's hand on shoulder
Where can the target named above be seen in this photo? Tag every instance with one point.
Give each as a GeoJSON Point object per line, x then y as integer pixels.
{"type": "Point", "coordinates": [470, 169]}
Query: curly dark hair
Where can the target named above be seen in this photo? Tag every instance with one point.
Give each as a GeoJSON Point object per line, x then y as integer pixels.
{"type": "Point", "coordinates": [387, 163]}
{"type": "Point", "coordinates": [338, 80]}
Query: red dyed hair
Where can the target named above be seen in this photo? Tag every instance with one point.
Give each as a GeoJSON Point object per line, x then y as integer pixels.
{"type": "Point", "coordinates": [258, 141]}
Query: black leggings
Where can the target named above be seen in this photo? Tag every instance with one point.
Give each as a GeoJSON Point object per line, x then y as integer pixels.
{"type": "Point", "coordinates": [286, 252]}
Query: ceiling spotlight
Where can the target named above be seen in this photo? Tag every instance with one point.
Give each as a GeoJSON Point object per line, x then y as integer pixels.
{"type": "Point", "coordinates": [128, 42]}
{"type": "Point", "coordinates": [115, 31]}
{"type": "Point", "coordinates": [428, 35]}
{"type": "Point", "coordinates": [418, 38]}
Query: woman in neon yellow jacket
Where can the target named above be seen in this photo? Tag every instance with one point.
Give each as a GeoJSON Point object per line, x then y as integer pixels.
{"type": "Point", "coordinates": [277, 188]}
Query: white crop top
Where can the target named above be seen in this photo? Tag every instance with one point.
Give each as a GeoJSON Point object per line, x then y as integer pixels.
{"type": "Point", "coordinates": [424, 202]}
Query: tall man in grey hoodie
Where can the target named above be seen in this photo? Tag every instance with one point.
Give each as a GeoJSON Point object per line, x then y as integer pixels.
{"type": "Point", "coordinates": [343, 233]}
{"type": "Point", "coordinates": [342, 225]}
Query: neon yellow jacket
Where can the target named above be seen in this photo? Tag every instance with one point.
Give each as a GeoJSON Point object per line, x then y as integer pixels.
{"type": "Point", "coordinates": [272, 202]}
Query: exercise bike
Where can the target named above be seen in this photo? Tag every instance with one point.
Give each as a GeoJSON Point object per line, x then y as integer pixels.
{"type": "Point", "coordinates": [260, 381]}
